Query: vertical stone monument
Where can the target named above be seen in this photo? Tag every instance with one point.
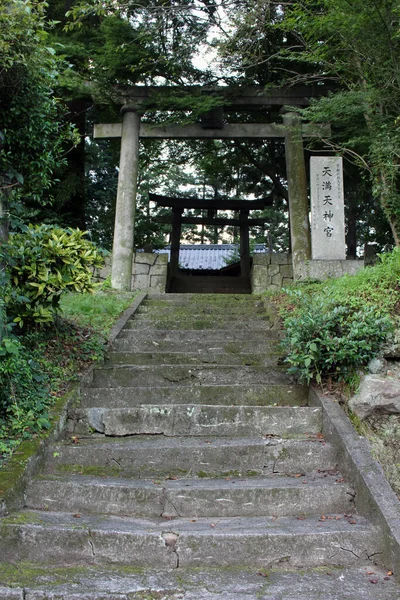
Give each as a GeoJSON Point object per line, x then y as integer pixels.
{"type": "Point", "coordinates": [327, 208]}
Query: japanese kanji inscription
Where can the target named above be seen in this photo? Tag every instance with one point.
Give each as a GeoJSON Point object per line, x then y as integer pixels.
{"type": "Point", "coordinates": [327, 208]}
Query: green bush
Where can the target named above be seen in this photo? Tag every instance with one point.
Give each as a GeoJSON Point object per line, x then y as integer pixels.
{"type": "Point", "coordinates": [324, 337]}
{"type": "Point", "coordinates": [45, 262]}
{"type": "Point", "coordinates": [23, 395]}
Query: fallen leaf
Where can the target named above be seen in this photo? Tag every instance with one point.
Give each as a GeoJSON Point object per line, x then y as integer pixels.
{"type": "Point", "coordinates": [352, 521]}
{"type": "Point", "coordinates": [373, 581]}
{"type": "Point", "coordinates": [263, 574]}
{"type": "Point", "coordinates": [300, 518]}
{"type": "Point", "coordinates": [390, 573]}
{"type": "Point", "coordinates": [212, 524]}
{"type": "Point", "coordinates": [77, 516]}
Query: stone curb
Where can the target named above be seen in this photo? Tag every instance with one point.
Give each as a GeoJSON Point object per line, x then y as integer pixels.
{"type": "Point", "coordinates": [375, 498]}
{"type": "Point", "coordinates": [28, 459]}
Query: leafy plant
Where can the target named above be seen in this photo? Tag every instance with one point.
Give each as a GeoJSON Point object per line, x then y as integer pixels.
{"type": "Point", "coordinates": [324, 337]}
{"type": "Point", "coordinates": [46, 262]}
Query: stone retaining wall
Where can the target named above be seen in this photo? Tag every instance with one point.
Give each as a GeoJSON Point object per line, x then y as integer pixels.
{"type": "Point", "coordinates": [150, 272]}
{"type": "Point", "coordinates": [271, 271]}
{"type": "Point", "coordinates": [325, 269]}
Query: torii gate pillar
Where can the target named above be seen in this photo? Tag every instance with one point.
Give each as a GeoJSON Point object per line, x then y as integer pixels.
{"type": "Point", "coordinates": [300, 234]}
{"type": "Point", "coordinates": [121, 274]}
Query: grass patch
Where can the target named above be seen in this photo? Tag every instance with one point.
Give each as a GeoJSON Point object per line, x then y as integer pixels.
{"type": "Point", "coordinates": [98, 311]}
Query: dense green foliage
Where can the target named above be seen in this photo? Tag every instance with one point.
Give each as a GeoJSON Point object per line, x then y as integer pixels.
{"type": "Point", "coordinates": [33, 137]}
{"type": "Point", "coordinates": [36, 368]}
{"type": "Point", "coordinates": [327, 338]}
{"type": "Point", "coordinates": [44, 263]}
{"type": "Point", "coordinates": [356, 44]}
{"type": "Point", "coordinates": [334, 328]}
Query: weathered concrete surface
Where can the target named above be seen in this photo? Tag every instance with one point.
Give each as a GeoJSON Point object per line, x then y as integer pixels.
{"type": "Point", "coordinates": [375, 498]}
{"type": "Point", "coordinates": [132, 376]}
{"type": "Point", "coordinates": [250, 395]}
{"type": "Point", "coordinates": [154, 456]}
{"type": "Point", "coordinates": [204, 357]}
{"type": "Point", "coordinates": [200, 420]}
{"type": "Point", "coordinates": [64, 539]}
{"type": "Point", "coordinates": [230, 343]}
{"type": "Point", "coordinates": [207, 322]}
{"type": "Point", "coordinates": [231, 497]}
{"type": "Point", "coordinates": [376, 395]}
{"type": "Point", "coordinates": [186, 500]}
{"type": "Point", "coordinates": [100, 583]}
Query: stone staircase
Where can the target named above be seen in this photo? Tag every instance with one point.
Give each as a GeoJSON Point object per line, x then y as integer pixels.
{"type": "Point", "coordinates": [192, 469]}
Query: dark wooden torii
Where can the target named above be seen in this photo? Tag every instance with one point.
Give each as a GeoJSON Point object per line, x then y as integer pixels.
{"type": "Point", "coordinates": [178, 205]}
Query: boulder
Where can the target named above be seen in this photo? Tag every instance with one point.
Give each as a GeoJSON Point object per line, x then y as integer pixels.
{"type": "Point", "coordinates": [376, 394]}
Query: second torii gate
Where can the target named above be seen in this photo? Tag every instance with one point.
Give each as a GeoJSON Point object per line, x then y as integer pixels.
{"type": "Point", "coordinates": [138, 98]}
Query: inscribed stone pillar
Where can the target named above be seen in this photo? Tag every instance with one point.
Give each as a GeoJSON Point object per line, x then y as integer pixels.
{"type": "Point", "coordinates": [297, 188]}
{"type": "Point", "coordinates": [121, 275]}
{"type": "Point", "coordinates": [327, 208]}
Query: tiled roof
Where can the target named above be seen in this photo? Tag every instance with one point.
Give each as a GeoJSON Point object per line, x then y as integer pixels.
{"type": "Point", "coordinates": [206, 256]}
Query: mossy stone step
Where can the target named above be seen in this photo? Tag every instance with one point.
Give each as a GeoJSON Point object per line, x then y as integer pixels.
{"type": "Point", "coordinates": [177, 375]}
{"type": "Point", "coordinates": [249, 395]}
{"type": "Point", "coordinates": [209, 322]}
{"type": "Point", "coordinates": [66, 539]}
{"type": "Point", "coordinates": [204, 420]}
{"type": "Point", "coordinates": [202, 357]}
{"type": "Point", "coordinates": [189, 342]}
{"type": "Point", "coordinates": [276, 495]}
{"type": "Point", "coordinates": [27, 581]}
{"type": "Point", "coordinates": [162, 456]}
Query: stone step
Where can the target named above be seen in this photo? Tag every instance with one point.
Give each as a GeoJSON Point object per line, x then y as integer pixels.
{"type": "Point", "coordinates": [279, 496]}
{"type": "Point", "coordinates": [249, 395]}
{"type": "Point", "coordinates": [177, 299]}
{"type": "Point", "coordinates": [212, 336]}
{"type": "Point", "coordinates": [203, 357]}
{"type": "Point", "coordinates": [67, 539]}
{"type": "Point", "coordinates": [189, 342]}
{"type": "Point", "coordinates": [203, 420]}
{"type": "Point", "coordinates": [207, 323]}
{"type": "Point", "coordinates": [151, 307]}
{"type": "Point", "coordinates": [97, 582]}
{"type": "Point", "coordinates": [161, 456]}
{"type": "Point", "coordinates": [177, 375]}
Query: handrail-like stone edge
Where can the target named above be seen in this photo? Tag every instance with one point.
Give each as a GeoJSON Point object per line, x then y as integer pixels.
{"type": "Point", "coordinates": [30, 454]}
{"type": "Point", "coordinates": [375, 498]}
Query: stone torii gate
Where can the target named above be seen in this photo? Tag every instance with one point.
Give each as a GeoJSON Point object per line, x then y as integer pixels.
{"type": "Point", "coordinates": [137, 99]}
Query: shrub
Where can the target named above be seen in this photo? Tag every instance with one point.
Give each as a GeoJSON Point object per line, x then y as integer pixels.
{"type": "Point", "coordinates": [326, 338]}
{"type": "Point", "coordinates": [44, 263]}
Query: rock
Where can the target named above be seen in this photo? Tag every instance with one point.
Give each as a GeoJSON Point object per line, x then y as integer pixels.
{"type": "Point", "coordinates": [376, 394]}
{"type": "Point", "coordinates": [392, 347]}
{"type": "Point", "coordinates": [376, 365]}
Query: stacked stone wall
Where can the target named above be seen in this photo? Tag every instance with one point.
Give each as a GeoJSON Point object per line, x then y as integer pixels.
{"type": "Point", "coordinates": [150, 272]}
{"type": "Point", "coordinates": [271, 271]}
